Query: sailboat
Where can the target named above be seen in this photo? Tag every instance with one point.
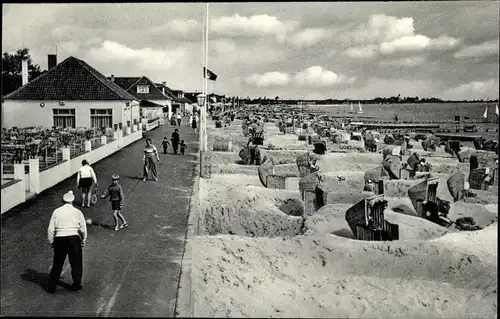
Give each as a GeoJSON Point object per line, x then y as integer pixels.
{"type": "Point", "coordinates": [360, 110]}
{"type": "Point", "coordinates": [496, 109]}
{"type": "Point", "coordinates": [352, 108]}
{"type": "Point", "coordinates": [485, 114]}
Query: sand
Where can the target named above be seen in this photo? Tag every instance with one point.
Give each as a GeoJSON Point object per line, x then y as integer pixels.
{"type": "Point", "coordinates": [329, 276]}
{"type": "Point", "coordinates": [257, 255]}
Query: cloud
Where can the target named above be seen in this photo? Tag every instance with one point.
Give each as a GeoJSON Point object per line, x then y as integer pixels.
{"type": "Point", "coordinates": [178, 26]}
{"type": "Point", "coordinates": [382, 28]}
{"type": "Point", "coordinates": [478, 51]}
{"type": "Point", "coordinates": [256, 25]}
{"type": "Point", "coordinates": [475, 90]}
{"type": "Point", "coordinates": [404, 62]}
{"type": "Point", "coordinates": [417, 43]}
{"type": "Point", "coordinates": [147, 58]}
{"type": "Point", "coordinates": [362, 52]}
{"type": "Point", "coordinates": [317, 76]}
{"type": "Point", "coordinates": [222, 46]}
{"type": "Point", "coordinates": [268, 79]}
{"type": "Point", "coordinates": [393, 35]}
{"type": "Point", "coordinates": [183, 26]}
{"type": "Point", "coordinates": [309, 37]}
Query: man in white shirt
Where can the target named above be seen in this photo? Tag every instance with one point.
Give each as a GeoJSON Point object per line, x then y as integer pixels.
{"type": "Point", "coordinates": [179, 118]}
{"type": "Point", "coordinates": [84, 179]}
{"type": "Point", "coordinates": [67, 234]}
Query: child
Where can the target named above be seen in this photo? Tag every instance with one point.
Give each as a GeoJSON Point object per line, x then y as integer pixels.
{"type": "Point", "coordinates": [165, 144]}
{"type": "Point", "coordinates": [115, 192]}
{"type": "Point", "coordinates": [183, 147]}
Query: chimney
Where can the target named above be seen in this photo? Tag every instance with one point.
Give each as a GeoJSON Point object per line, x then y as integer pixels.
{"type": "Point", "coordinates": [24, 70]}
{"type": "Point", "coordinates": [52, 60]}
{"type": "Point", "coordinates": [164, 84]}
{"type": "Point", "coordinates": [112, 78]}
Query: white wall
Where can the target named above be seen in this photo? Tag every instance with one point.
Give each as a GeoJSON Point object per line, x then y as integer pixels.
{"type": "Point", "coordinates": [29, 113]}
{"type": "Point", "coordinates": [12, 196]}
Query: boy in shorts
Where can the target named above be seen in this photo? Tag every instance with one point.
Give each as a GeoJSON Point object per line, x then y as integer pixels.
{"type": "Point", "coordinates": [183, 147]}
{"type": "Point", "coordinates": [115, 193]}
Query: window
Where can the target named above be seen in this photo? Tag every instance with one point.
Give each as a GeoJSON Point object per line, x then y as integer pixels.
{"type": "Point", "coordinates": [142, 89]}
{"type": "Point", "coordinates": [100, 118]}
{"type": "Point", "coordinates": [64, 117]}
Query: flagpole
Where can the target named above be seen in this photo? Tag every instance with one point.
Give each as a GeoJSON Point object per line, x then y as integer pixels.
{"type": "Point", "coordinates": [205, 139]}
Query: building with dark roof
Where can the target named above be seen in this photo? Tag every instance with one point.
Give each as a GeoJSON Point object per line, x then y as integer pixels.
{"type": "Point", "coordinates": [70, 94]}
{"type": "Point", "coordinates": [146, 90]}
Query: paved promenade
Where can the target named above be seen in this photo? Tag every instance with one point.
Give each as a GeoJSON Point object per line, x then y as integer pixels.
{"type": "Point", "coordinates": [132, 272]}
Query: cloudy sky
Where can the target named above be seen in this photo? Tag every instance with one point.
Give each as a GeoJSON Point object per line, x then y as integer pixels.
{"type": "Point", "coordinates": [291, 50]}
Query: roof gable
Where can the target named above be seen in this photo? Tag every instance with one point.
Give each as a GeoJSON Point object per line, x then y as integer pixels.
{"type": "Point", "coordinates": [130, 84]}
{"type": "Point", "coordinates": [126, 82]}
{"type": "Point", "coordinates": [72, 79]}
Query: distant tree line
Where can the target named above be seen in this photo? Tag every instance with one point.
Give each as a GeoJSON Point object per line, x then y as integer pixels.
{"type": "Point", "coordinates": [378, 100]}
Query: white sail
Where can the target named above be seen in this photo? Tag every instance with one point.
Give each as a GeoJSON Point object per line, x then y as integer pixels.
{"type": "Point", "coordinates": [360, 110]}
{"type": "Point", "coordinates": [352, 108]}
{"type": "Point", "coordinates": [496, 109]}
{"type": "Point", "coordinates": [485, 115]}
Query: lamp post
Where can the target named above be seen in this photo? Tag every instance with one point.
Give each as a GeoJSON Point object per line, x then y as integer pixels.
{"type": "Point", "coordinates": [201, 98]}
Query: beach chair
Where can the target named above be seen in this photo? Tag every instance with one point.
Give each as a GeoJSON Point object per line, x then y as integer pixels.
{"type": "Point", "coordinates": [258, 138]}
{"type": "Point", "coordinates": [367, 222]}
{"type": "Point", "coordinates": [426, 203]}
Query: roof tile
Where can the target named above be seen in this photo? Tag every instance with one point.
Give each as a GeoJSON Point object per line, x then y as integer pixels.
{"type": "Point", "coordinates": [72, 79]}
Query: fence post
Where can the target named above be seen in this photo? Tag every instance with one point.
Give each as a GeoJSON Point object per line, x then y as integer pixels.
{"type": "Point", "coordinates": [34, 164]}
{"type": "Point", "coordinates": [129, 130]}
{"type": "Point", "coordinates": [104, 139]}
{"type": "Point", "coordinates": [19, 174]}
{"type": "Point", "coordinates": [66, 153]}
{"type": "Point", "coordinates": [88, 146]}
{"type": "Point", "coordinates": [120, 138]}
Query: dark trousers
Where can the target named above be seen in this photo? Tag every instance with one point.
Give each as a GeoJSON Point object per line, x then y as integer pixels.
{"type": "Point", "coordinates": [179, 122]}
{"type": "Point", "coordinates": [70, 246]}
{"type": "Point", "coordinates": [175, 146]}
{"type": "Point", "coordinates": [165, 148]}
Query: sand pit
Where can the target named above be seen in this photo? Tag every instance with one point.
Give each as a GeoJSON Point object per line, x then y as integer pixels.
{"type": "Point", "coordinates": [330, 276]}
{"type": "Point", "coordinates": [228, 208]}
{"type": "Point", "coordinates": [330, 219]}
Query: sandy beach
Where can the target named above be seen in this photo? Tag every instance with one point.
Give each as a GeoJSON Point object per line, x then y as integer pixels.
{"type": "Point", "coordinates": [258, 256]}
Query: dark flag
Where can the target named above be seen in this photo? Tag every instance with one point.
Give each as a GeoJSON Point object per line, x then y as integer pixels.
{"type": "Point", "coordinates": [209, 74]}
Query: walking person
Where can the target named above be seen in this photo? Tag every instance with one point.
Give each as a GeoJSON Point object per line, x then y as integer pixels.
{"type": "Point", "coordinates": [175, 140]}
{"type": "Point", "coordinates": [150, 152]}
{"type": "Point", "coordinates": [67, 233]}
{"type": "Point", "coordinates": [117, 198]}
{"type": "Point", "coordinates": [165, 143]}
{"type": "Point", "coordinates": [179, 118]}
{"type": "Point", "coordinates": [194, 123]}
{"type": "Point", "coordinates": [84, 179]}
{"type": "Point", "coordinates": [190, 120]}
